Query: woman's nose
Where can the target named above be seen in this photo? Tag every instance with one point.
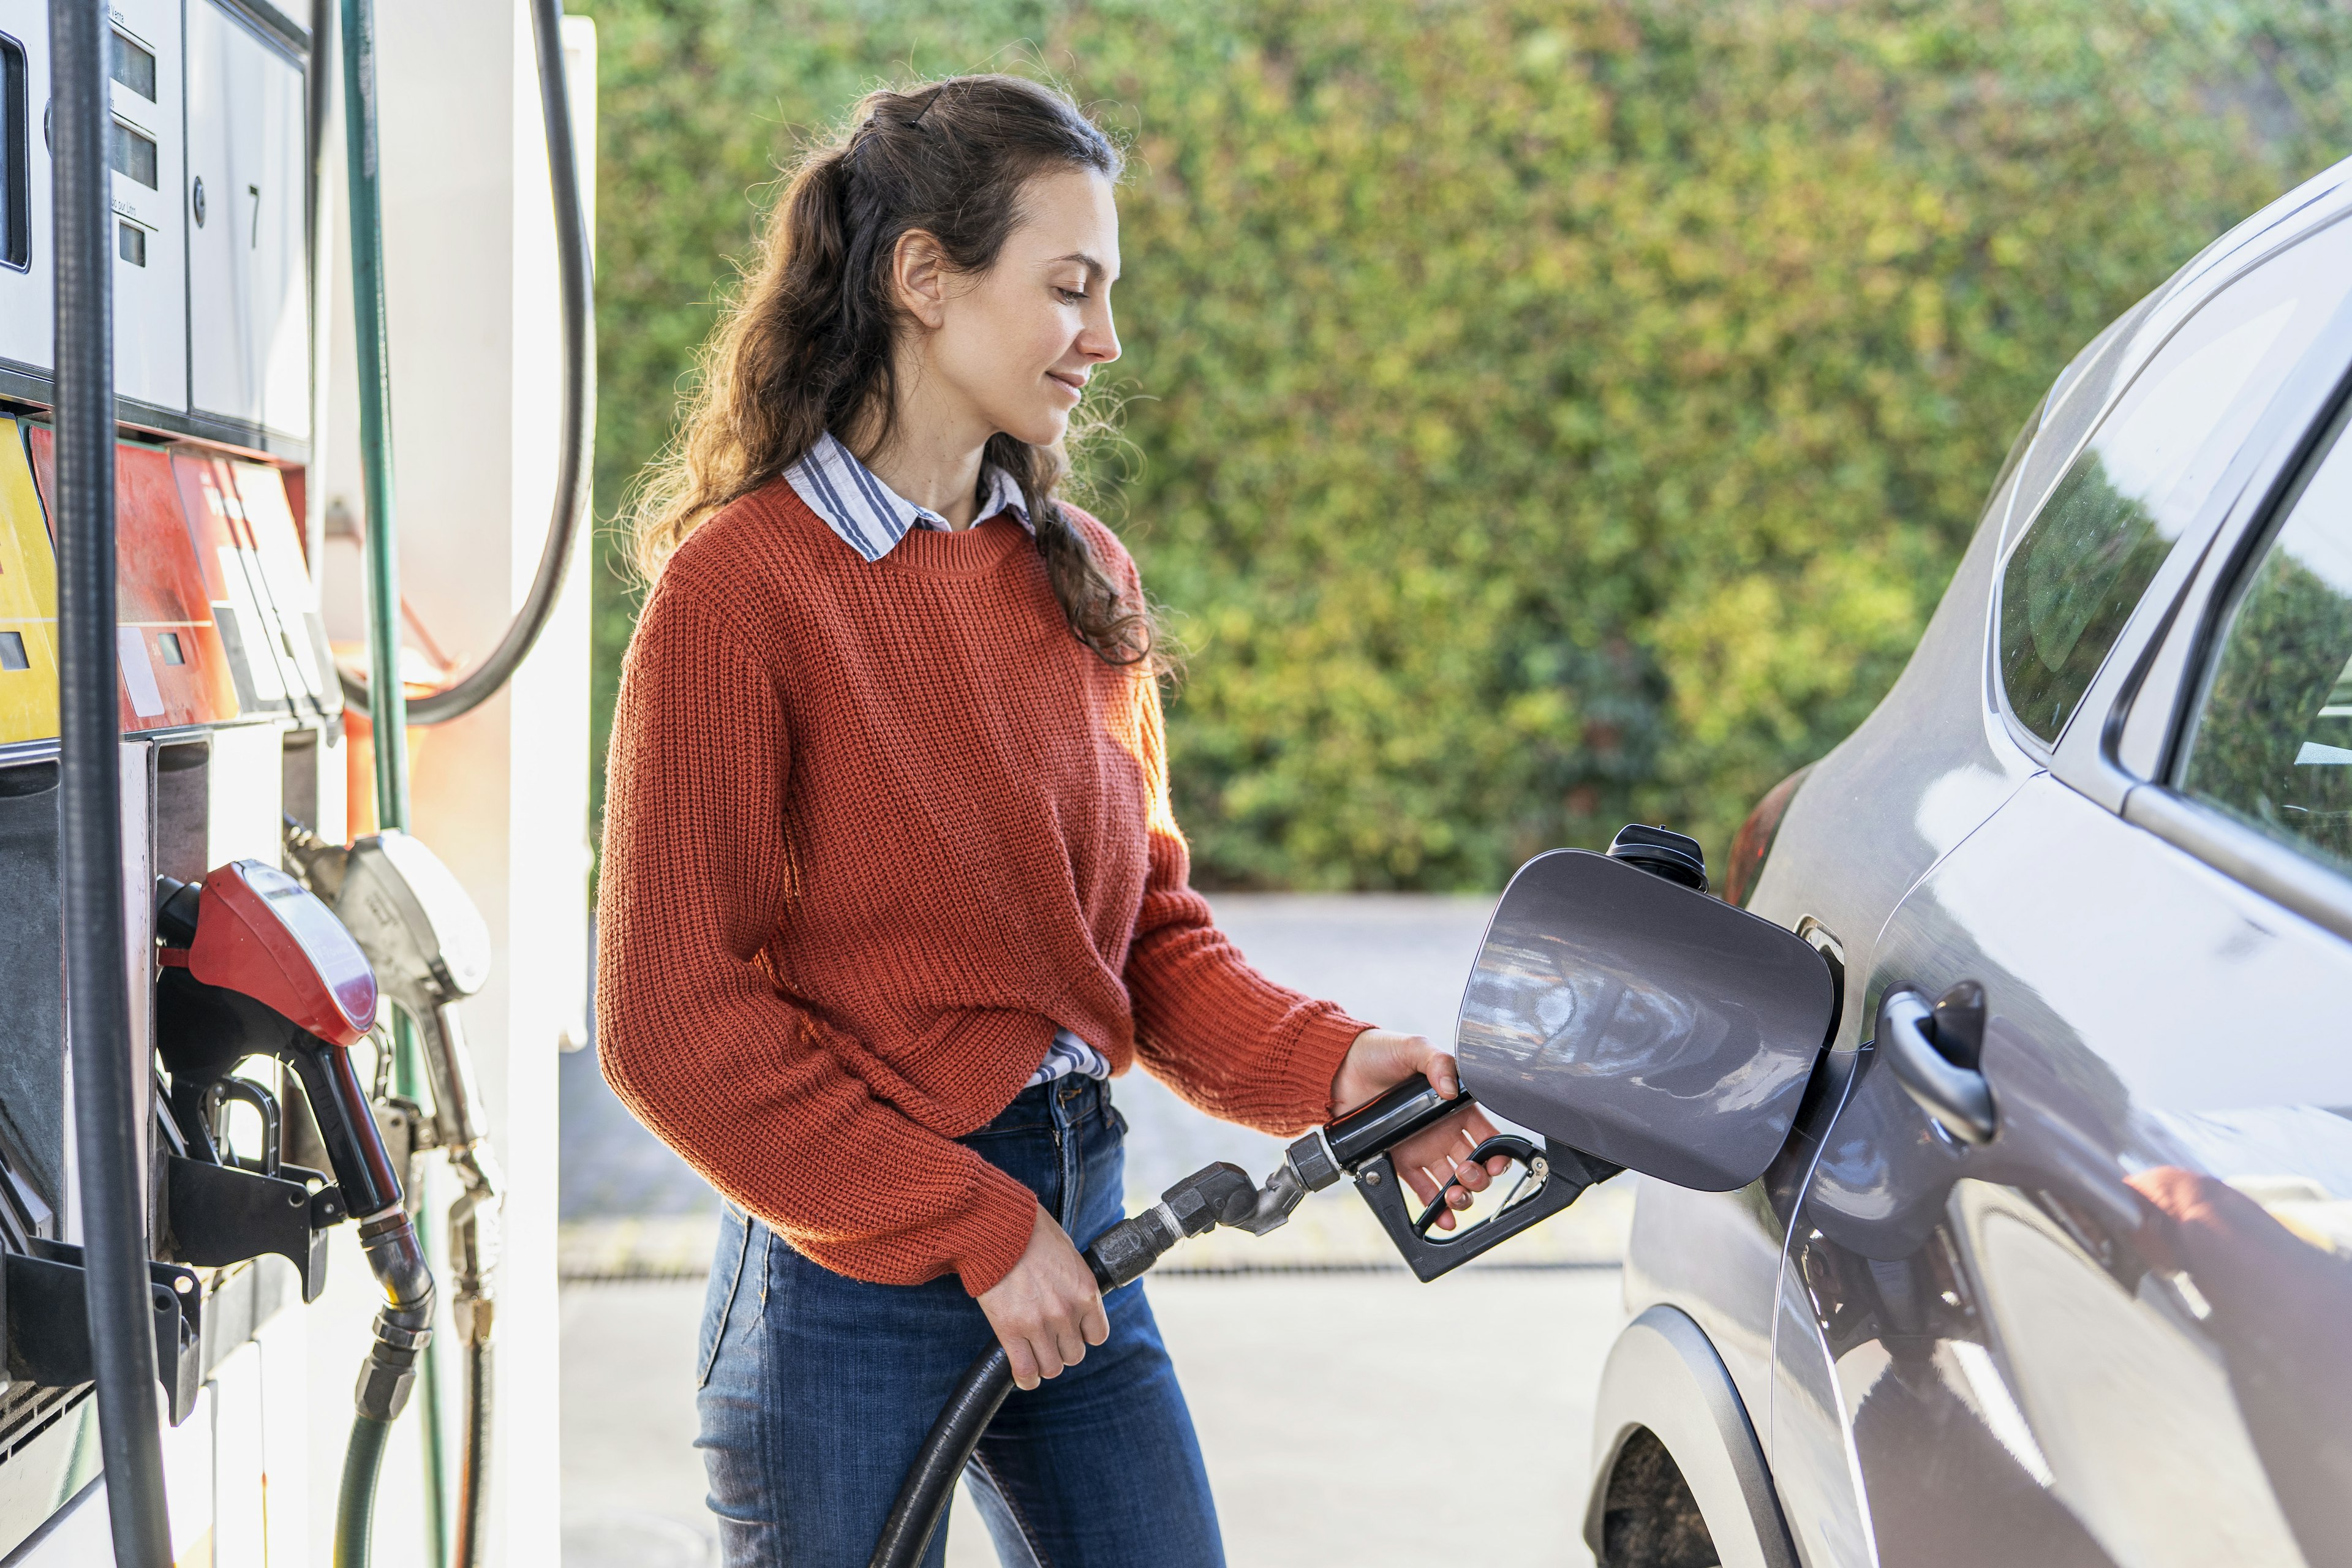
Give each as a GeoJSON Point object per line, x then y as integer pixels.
{"type": "Point", "coordinates": [1098, 340]}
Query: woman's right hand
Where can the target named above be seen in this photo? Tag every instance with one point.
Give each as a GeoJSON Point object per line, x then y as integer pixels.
{"type": "Point", "coordinates": [1047, 1311]}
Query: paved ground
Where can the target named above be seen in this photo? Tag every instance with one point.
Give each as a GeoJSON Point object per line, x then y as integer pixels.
{"type": "Point", "coordinates": [1474, 1446]}
{"type": "Point", "coordinates": [1345, 1418]}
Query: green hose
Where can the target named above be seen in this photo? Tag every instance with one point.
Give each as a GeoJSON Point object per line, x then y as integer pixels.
{"type": "Point", "coordinates": [408, 1076]}
{"type": "Point", "coordinates": [355, 1504]}
{"type": "Point", "coordinates": [387, 699]}
{"type": "Point", "coordinates": [387, 696]}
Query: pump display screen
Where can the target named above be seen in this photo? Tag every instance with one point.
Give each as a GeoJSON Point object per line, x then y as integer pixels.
{"type": "Point", "coordinates": [134, 67]}
{"type": "Point", "coordinates": [132, 153]}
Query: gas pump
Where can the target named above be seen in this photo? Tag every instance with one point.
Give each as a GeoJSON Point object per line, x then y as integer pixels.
{"type": "Point", "coordinates": [168, 698]}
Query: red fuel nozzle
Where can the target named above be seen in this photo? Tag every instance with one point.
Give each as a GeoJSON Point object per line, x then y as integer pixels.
{"type": "Point", "coordinates": [261, 933]}
{"type": "Point", "coordinates": [260, 967]}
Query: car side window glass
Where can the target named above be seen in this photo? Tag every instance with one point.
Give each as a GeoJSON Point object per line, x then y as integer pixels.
{"type": "Point", "coordinates": [2075, 576]}
{"type": "Point", "coordinates": [2273, 741]}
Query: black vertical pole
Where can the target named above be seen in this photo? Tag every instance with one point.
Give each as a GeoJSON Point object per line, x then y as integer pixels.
{"type": "Point", "coordinates": [97, 1003]}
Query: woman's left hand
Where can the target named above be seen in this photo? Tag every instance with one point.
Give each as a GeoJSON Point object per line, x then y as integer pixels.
{"type": "Point", "coordinates": [1381, 1058]}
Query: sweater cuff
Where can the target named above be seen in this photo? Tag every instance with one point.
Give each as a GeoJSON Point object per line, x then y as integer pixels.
{"type": "Point", "coordinates": [1001, 1215]}
{"type": "Point", "coordinates": [1314, 1062]}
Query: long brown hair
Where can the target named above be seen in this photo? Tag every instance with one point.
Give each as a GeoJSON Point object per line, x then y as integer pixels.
{"type": "Point", "coordinates": [805, 345]}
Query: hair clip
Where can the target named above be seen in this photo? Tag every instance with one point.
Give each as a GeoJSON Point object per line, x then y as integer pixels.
{"type": "Point", "coordinates": [929, 104]}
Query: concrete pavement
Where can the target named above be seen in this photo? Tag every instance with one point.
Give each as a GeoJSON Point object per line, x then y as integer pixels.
{"type": "Point", "coordinates": [1357, 1418]}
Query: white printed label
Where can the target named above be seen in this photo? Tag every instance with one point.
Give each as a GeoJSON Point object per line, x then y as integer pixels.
{"type": "Point", "coordinates": [138, 671]}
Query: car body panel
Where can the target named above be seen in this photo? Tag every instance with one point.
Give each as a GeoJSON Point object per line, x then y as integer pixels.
{"type": "Point", "coordinates": [1664, 1376]}
{"type": "Point", "coordinates": [1930, 1403]}
{"type": "Point", "coordinates": [1901, 1341]}
{"type": "Point", "coordinates": [1714, 1256]}
{"type": "Point", "coordinates": [2003, 1324]}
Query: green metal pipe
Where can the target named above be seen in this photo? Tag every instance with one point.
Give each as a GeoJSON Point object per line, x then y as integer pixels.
{"type": "Point", "coordinates": [408, 1076]}
{"type": "Point", "coordinates": [387, 698]}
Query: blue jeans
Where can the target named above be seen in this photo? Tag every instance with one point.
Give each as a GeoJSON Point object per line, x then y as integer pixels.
{"type": "Point", "coordinates": [816, 1390]}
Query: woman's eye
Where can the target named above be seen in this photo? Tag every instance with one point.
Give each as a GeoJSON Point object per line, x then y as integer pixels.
{"type": "Point", "coordinates": [1071, 296]}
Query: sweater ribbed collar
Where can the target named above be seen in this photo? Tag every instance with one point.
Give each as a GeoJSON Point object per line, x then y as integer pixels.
{"type": "Point", "coordinates": [869, 515]}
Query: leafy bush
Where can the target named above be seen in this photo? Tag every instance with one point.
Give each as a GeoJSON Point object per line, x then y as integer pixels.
{"type": "Point", "coordinates": [1539, 415]}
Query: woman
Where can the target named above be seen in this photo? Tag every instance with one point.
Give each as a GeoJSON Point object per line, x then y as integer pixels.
{"type": "Point", "coordinates": [891, 885]}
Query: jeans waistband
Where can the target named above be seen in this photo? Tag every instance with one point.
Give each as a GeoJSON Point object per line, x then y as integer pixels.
{"type": "Point", "coordinates": [1062, 1101]}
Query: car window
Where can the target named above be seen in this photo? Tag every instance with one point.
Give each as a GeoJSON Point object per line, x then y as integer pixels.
{"type": "Point", "coordinates": [2273, 741]}
{"type": "Point", "coordinates": [2074, 577]}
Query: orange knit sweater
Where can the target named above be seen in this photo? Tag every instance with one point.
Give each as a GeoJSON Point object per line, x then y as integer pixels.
{"type": "Point", "coordinates": [873, 832]}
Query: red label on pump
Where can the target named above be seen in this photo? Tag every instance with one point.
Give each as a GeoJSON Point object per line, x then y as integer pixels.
{"type": "Point", "coordinates": [174, 669]}
{"type": "Point", "coordinates": [261, 933]}
{"type": "Point", "coordinates": [248, 624]}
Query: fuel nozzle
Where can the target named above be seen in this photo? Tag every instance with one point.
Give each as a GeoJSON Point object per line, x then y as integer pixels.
{"type": "Point", "coordinates": [430, 949]}
{"type": "Point", "coordinates": [254, 964]}
{"type": "Point", "coordinates": [259, 967]}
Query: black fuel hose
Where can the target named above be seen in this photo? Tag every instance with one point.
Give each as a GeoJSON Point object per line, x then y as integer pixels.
{"type": "Point", "coordinates": [356, 1498]}
{"type": "Point", "coordinates": [923, 1496]}
{"type": "Point", "coordinates": [474, 1470]}
{"type": "Point", "coordinates": [1216, 1195]}
{"type": "Point", "coordinates": [1120, 1254]}
{"type": "Point", "coordinates": [106, 1102]}
{"type": "Point", "coordinates": [576, 302]}
{"type": "Point", "coordinates": [403, 1326]}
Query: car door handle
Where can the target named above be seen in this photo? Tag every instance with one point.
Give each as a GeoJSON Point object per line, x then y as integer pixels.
{"type": "Point", "coordinates": [1957, 1096]}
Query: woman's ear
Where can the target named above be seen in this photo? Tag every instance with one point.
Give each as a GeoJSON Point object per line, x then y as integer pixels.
{"type": "Point", "coordinates": [919, 277]}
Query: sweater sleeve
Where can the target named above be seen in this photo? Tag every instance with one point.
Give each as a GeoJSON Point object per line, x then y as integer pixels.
{"type": "Point", "coordinates": [1227, 1039]}
{"type": "Point", "coordinates": [694, 1031]}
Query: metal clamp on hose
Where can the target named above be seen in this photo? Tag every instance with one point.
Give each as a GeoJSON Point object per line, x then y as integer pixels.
{"type": "Point", "coordinates": [403, 1324]}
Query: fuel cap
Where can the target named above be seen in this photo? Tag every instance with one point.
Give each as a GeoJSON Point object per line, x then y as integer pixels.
{"type": "Point", "coordinates": [1662, 853]}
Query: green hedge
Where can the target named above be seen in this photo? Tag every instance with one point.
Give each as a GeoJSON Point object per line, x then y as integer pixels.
{"type": "Point", "coordinates": [1538, 416]}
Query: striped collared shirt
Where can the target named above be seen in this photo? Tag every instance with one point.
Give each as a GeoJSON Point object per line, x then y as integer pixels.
{"type": "Point", "coordinates": [871, 517]}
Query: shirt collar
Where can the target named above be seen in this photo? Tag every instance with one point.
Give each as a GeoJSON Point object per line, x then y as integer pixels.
{"type": "Point", "coordinates": [869, 515]}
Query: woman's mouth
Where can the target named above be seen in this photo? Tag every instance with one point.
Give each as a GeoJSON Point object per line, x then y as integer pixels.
{"type": "Point", "coordinates": [1076, 385]}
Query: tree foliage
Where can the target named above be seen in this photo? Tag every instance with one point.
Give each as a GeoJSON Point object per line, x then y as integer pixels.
{"type": "Point", "coordinates": [1536, 414]}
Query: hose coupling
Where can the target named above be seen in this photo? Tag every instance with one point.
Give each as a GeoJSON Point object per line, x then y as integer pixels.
{"type": "Point", "coordinates": [390, 1370]}
{"type": "Point", "coordinates": [1310, 1159]}
{"type": "Point", "coordinates": [403, 1324]}
{"type": "Point", "coordinates": [397, 1261]}
{"type": "Point", "coordinates": [1127, 1249]}
{"type": "Point", "coordinates": [1222, 1194]}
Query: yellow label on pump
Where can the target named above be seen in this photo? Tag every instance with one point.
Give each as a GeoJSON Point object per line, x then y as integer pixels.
{"type": "Point", "coordinates": [29, 601]}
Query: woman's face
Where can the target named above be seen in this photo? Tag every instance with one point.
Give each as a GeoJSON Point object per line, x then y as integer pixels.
{"type": "Point", "coordinates": [1009, 349]}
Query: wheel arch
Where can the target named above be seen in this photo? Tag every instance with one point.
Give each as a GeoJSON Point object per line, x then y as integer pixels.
{"type": "Point", "coordinates": [1664, 1378]}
